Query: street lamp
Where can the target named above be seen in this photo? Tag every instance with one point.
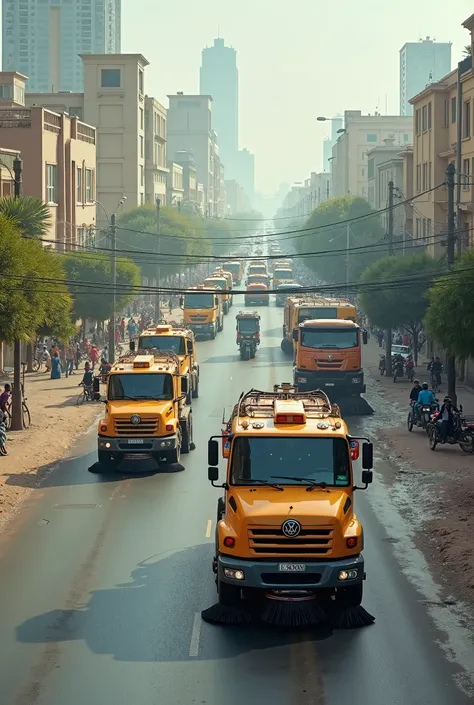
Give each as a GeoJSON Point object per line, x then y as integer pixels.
{"type": "Point", "coordinates": [325, 119]}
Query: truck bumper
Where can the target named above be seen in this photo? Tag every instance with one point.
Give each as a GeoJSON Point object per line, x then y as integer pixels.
{"type": "Point", "coordinates": [266, 575]}
{"type": "Point", "coordinates": [130, 446]}
{"type": "Point", "coordinates": [341, 383]}
{"type": "Point", "coordinates": [202, 328]}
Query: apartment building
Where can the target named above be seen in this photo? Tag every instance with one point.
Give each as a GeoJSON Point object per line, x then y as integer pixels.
{"type": "Point", "coordinates": [190, 182]}
{"type": "Point", "coordinates": [7, 177]}
{"type": "Point", "coordinates": [156, 169]}
{"type": "Point", "coordinates": [114, 102]}
{"type": "Point", "coordinates": [421, 63]}
{"type": "Point", "coordinates": [304, 197]}
{"type": "Point", "coordinates": [361, 133]}
{"type": "Point", "coordinates": [59, 163]}
{"type": "Point", "coordinates": [175, 185]}
{"type": "Point", "coordinates": [437, 112]}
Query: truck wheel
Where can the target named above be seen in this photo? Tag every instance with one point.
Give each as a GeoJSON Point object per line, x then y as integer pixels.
{"type": "Point", "coordinates": [252, 353]}
{"type": "Point", "coordinates": [245, 353]}
{"type": "Point", "coordinates": [221, 324]}
{"type": "Point", "coordinates": [174, 456]}
{"type": "Point", "coordinates": [229, 595]}
{"type": "Point", "coordinates": [196, 389]}
{"type": "Point", "coordinates": [186, 435]}
{"type": "Point", "coordinates": [287, 346]}
{"type": "Point", "coordinates": [220, 508]}
{"type": "Point", "coordinates": [349, 596]}
{"type": "Point", "coordinates": [213, 333]}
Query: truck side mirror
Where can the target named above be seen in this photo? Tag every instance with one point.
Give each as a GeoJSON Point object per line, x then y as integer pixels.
{"type": "Point", "coordinates": [181, 301]}
{"type": "Point", "coordinates": [367, 456]}
{"type": "Point", "coordinates": [364, 337]}
{"type": "Point", "coordinates": [295, 335]}
{"type": "Point", "coordinates": [367, 477]}
{"type": "Point", "coordinates": [189, 345]}
{"type": "Point", "coordinates": [213, 454]}
{"type": "Point", "coordinates": [212, 474]}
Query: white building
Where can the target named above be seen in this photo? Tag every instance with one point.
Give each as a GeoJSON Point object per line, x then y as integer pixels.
{"type": "Point", "coordinates": [156, 170]}
{"type": "Point", "coordinates": [362, 133]}
{"type": "Point", "coordinates": [421, 63]}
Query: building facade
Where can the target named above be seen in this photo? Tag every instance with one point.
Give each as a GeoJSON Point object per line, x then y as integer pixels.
{"type": "Point", "coordinates": [156, 169]}
{"type": "Point", "coordinates": [190, 182]}
{"type": "Point", "coordinates": [246, 173]}
{"type": "Point", "coordinates": [220, 79]}
{"type": "Point", "coordinates": [436, 115]}
{"type": "Point", "coordinates": [337, 123]}
{"type": "Point", "coordinates": [175, 185]}
{"type": "Point", "coordinates": [59, 166]}
{"type": "Point", "coordinates": [421, 63]}
{"type": "Point", "coordinates": [362, 133]}
{"type": "Point", "coordinates": [43, 39]}
{"type": "Point", "coordinates": [114, 102]}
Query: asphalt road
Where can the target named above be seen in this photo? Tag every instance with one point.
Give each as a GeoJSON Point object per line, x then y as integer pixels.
{"type": "Point", "coordinates": [103, 581]}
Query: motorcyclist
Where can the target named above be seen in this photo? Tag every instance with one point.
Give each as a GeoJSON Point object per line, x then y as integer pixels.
{"type": "Point", "coordinates": [425, 397]}
{"type": "Point", "coordinates": [446, 419]}
{"type": "Point", "coordinates": [435, 367]}
{"type": "Point", "coordinates": [414, 395]}
{"type": "Point", "coordinates": [399, 363]}
{"type": "Point", "coordinates": [409, 365]}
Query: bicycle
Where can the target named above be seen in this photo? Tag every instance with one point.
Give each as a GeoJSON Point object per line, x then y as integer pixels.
{"type": "Point", "coordinates": [85, 395]}
{"type": "Point", "coordinates": [435, 380]}
{"type": "Point", "coordinates": [25, 412]}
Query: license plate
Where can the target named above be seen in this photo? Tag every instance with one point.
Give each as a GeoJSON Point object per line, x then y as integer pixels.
{"type": "Point", "coordinates": [135, 441]}
{"type": "Point", "coordinates": [292, 567]}
{"type": "Point", "coordinates": [329, 384]}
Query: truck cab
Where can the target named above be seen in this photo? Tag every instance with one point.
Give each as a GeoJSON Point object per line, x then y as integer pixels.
{"type": "Point", "coordinates": [286, 523]}
{"type": "Point", "coordinates": [221, 283]}
{"type": "Point", "coordinates": [179, 340]}
{"type": "Point", "coordinates": [257, 294]}
{"type": "Point", "coordinates": [203, 313]}
{"type": "Point", "coordinates": [235, 267]}
{"type": "Point", "coordinates": [146, 410]}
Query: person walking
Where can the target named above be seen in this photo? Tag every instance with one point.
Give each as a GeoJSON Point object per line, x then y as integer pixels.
{"type": "Point", "coordinates": [55, 366]}
{"type": "Point", "coordinates": [70, 355]}
{"type": "Point", "coordinates": [94, 355]}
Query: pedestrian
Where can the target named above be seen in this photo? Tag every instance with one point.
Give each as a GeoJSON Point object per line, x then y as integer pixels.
{"type": "Point", "coordinates": [170, 304]}
{"type": "Point", "coordinates": [70, 355]}
{"type": "Point", "coordinates": [55, 366]}
{"type": "Point", "coordinates": [94, 355]}
{"type": "Point", "coordinates": [3, 433]}
{"type": "Point", "coordinates": [77, 356]}
{"type": "Point", "coordinates": [5, 397]}
{"type": "Point", "coordinates": [405, 339]}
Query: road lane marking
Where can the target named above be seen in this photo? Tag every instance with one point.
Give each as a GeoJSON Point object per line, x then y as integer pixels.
{"type": "Point", "coordinates": [208, 528]}
{"type": "Point", "coordinates": [195, 636]}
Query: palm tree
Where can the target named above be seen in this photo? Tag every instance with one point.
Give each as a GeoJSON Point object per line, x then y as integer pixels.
{"type": "Point", "coordinates": [29, 213]}
{"type": "Point", "coordinates": [467, 51]}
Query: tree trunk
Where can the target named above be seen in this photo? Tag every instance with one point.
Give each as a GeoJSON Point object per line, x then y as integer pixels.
{"type": "Point", "coordinates": [84, 324]}
{"type": "Point", "coordinates": [17, 416]}
{"type": "Point", "coordinates": [29, 357]}
{"type": "Point", "coordinates": [388, 352]}
{"type": "Point", "coordinates": [1, 359]}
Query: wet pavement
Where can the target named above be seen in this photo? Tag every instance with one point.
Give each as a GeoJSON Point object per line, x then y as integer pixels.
{"type": "Point", "coordinates": [104, 579]}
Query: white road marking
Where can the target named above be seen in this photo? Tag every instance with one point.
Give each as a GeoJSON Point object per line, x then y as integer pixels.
{"type": "Point", "coordinates": [195, 636]}
{"type": "Point", "coordinates": [208, 528]}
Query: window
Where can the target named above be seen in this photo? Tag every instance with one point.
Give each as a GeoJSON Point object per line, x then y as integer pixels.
{"type": "Point", "coordinates": [466, 119]}
{"type": "Point", "coordinates": [424, 229]}
{"type": "Point", "coordinates": [370, 168]}
{"type": "Point", "coordinates": [424, 118]}
{"type": "Point", "coordinates": [51, 183]}
{"type": "Point", "coordinates": [76, 112]}
{"type": "Point", "coordinates": [418, 228]}
{"type": "Point", "coordinates": [418, 121]}
{"type": "Point", "coordinates": [429, 175]}
{"type": "Point", "coordinates": [429, 115]}
{"type": "Point", "coordinates": [6, 91]}
{"type": "Point", "coordinates": [446, 113]}
{"type": "Point", "coordinates": [453, 110]}
{"type": "Point", "coordinates": [371, 137]}
{"type": "Point", "coordinates": [110, 78]}
{"type": "Point", "coordinates": [140, 81]}
{"type": "Point", "coordinates": [406, 137]}
{"type": "Point", "coordinates": [428, 227]}
{"type": "Point", "coordinates": [363, 172]}
{"type": "Point", "coordinates": [418, 178]}
{"type": "Point", "coordinates": [89, 186]}
{"type": "Point", "coordinates": [465, 174]}
{"type": "Point", "coordinates": [142, 179]}
{"type": "Point", "coordinates": [79, 196]}
{"type": "Point", "coordinates": [141, 119]}
{"type": "Point", "coordinates": [424, 176]}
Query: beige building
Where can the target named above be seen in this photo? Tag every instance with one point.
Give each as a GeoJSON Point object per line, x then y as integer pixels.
{"type": "Point", "coordinates": [362, 133]}
{"type": "Point", "coordinates": [59, 163]}
{"type": "Point", "coordinates": [156, 170]}
{"type": "Point", "coordinates": [113, 101]}
{"type": "Point", "coordinates": [436, 114]}
{"type": "Point", "coordinates": [175, 185]}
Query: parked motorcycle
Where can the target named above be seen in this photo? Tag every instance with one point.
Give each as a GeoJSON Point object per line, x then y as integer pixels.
{"type": "Point", "coordinates": [462, 432]}
{"type": "Point", "coordinates": [382, 368]}
{"type": "Point", "coordinates": [421, 417]}
{"type": "Point", "coordinates": [398, 370]}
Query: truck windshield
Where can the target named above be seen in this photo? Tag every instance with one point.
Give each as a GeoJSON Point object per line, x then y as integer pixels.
{"type": "Point", "coordinates": [309, 314]}
{"type": "Point", "coordinates": [338, 339]}
{"type": "Point", "coordinates": [140, 386]}
{"type": "Point", "coordinates": [247, 325]}
{"type": "Point", "coordinates": [163, 342]}
{"type": "Point", "coordinates": [257, 269]}
{"type": "Point", "coordinates": [232, 267]}
{"type": "Point", "coordinates": [199, 300]}
{"type": "Point", "coordinates": [283, 274]}
{"type": "Point", "coordinates": [222, 284]}
{"type": "Point", "coordinates": [319, 459]}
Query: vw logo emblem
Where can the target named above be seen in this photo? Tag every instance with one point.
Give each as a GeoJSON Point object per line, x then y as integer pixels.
{"type": "Point", "coordinates": [291, 528]}
{"type": "Point", "coordinates": [135, 419]}
{"type": "Point", "coordinates": [329, 358]}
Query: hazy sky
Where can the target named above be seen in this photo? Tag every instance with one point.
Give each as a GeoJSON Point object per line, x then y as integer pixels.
{"type": "Point", "coordinates": [297, 59]}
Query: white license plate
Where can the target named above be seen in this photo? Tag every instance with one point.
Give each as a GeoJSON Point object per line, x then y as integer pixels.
{"type": "Point", "coordinates": [292, 567]}
{"type": "Point", "coordinates": [329, 384]}
{"type": "Point", "coordinates": [135, 441]}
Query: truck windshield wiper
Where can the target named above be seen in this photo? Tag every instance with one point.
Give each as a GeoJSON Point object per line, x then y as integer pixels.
{"type": "Point", "coordinates": [312, 483]}
{"type": "Point", "coordinates": [264, 482]}
{"type": "Point", "coordinates": [142, 398]}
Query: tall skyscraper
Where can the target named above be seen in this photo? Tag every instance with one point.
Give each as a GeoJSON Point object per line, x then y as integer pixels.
{"type": "Point", "coordinates": [220, 79]}
{"type": "Point", "coordinates": [43, 39]}
{"type": "Point", "coordinates": [421, 63]}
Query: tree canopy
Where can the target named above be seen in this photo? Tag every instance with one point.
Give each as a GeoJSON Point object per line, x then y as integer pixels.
{"type": "Point", "coordinates": [326, 231]}
{"type": "Point", "coordinates": [29, 213]}
{"type": "Point", "coordinates": [450, 316]}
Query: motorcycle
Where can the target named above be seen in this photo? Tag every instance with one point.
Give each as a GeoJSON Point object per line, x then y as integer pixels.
{"type": "Point", "coordinates": [382, 368]}
{"type": "Point", "coordinates": [420, 417]}
{"type": "Point", "coordinates": [462, 433]}
{"type": "Point", "coordinates": [248, 334]}
{"type": "Point", "coordinates": [398, 370]}
{"type": "Point", "coordinates": [410, 370]}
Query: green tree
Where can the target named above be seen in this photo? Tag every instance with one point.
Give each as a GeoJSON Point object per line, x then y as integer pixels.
{"type": "Point", "coordinates": [92, 296]}
{"type": "Point", "coordinates": [467, 51]}
{"type": "Point", "coordinates": [393, 293]}
{"type": "Point", "coordinates": [326, 230]}
{"type": "Point", "coordinates": [450, 316]}
{"type": "Point", "coordinates": [29, 213]}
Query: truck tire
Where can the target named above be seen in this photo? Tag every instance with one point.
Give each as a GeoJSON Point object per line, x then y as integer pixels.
{"type": "Point", "coordinates": [229, 595]}
{"type": "Point", "coordinates": [196, 388]}
{"type": "Point", "coordinates": [186, 435]}
{"type": "Point", "coordinates": [287, 346]}
{"type": "Point", "coordinates": [174, 456]}
{"type": "Point", "coordinates": [220, 508]}
{"type": "Point", "coordinates": [349, 596]}
{"type": "Point", "coordinates": [213, 333]}
{"type": "Point", "coordinates": [220, 327]}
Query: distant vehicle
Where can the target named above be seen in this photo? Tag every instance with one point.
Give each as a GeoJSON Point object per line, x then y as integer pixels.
{"type": "Point", "coordinates": [403, 350]}
{"type": "Point", "coordinates": [281, 297]}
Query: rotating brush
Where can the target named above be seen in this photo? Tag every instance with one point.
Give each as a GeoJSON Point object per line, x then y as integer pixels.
{"type": "Point", "coordinates": [224, 615]}
{"type": "Point", "coordinates": [351, 618]}
{"type": "Point", "coordinates": [292, 612]}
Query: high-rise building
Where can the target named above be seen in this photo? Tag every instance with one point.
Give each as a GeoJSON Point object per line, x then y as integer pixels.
{"type": "Point", "coordinates": [421, 63]}
{"type": "Point", "coordinates": [44, 38]}
{"type": "Point", "coordinates": [246, 173]}
{"type": "Point", "coordinates": [220, 79]}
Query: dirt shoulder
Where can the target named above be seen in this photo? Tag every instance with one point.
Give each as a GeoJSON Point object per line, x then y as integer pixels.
{"type": "Point", "coordinates": [445, 476]}
{"type": "Point", "coordinates": [56, 421]}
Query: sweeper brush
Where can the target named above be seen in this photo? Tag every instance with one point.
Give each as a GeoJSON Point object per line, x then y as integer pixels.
{"type": "Point", "coordinates": [231, 616]}
{"type": "Point", "coordinates": [354, 406]}
{"type": "Point", "coordinates": [292, 612]}
{"type": "Point", "coordinates": [351, 618]}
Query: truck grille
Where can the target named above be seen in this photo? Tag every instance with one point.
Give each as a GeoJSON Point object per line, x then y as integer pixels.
{"type": "Point", "coordinates": [197, 319]}
{"type": "Point", "coordinates": [146, 427]}
{"type": "Point", "coordinates": [329, 364]}
{"type": "Point", "coordinates": [269, 540]}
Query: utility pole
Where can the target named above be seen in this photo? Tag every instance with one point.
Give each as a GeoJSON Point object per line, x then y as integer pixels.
{"type": "Point", "coordinates": [459, 118]}
{"type": "Point", "coordinates": [451, 359]}
{"type": "Point", "coordinates": [113, 267]}
{"type": "Point", "coordinates": [348, 241]}
{"type": "Point", "coordinates": [388, 332]}
{"type": "Point", "coordinates": [158, 268]}
{"type": "Point", "coordinates": [17, 415]}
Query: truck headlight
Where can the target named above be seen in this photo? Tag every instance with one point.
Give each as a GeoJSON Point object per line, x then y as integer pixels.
{"type": "Point", "coordinates": [234, 574]}
{"type": "Point", "coordinates": [355, 380]}
{"type": "Point", "coordinates": [348, 574]}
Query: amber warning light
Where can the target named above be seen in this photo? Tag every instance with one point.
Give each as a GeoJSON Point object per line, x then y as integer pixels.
{"type": "Point", "coordinates": [289, 418]}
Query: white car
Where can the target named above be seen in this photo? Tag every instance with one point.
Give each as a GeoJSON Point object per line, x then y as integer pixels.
{"type": "Point", "coordinates": [403, 350]}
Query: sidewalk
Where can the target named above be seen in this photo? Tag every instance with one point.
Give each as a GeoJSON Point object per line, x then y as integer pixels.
{"type": "Point", "coordinates": [56, 421]}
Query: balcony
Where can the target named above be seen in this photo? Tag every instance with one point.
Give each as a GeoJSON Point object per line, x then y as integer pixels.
{"type": "Point", "coordinates": [85, 133]}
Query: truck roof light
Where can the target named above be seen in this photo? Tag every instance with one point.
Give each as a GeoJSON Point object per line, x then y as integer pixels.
{"type": "Point", "coordinates": [290, 418]}
{"type": "Point", "coordinates": [289, 412]}
{"type": "Point", "coordinates": [163, 329]}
